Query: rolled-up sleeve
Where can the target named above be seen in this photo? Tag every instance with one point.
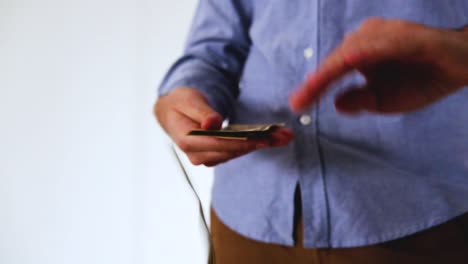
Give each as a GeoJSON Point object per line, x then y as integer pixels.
{"type": "Point", "coordinates": [214, 56]}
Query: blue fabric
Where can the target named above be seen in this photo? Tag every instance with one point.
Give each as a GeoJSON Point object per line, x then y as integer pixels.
{"type": "Point", "coordinates": [364, 179]}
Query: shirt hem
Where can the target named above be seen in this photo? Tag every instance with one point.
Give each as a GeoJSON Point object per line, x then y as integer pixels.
{"type": "Point", "coordinates": [420, 227]}
{"type": "Point", "coordinates": [344, 244]}
{"type": "Point", "coordinates": [250, 235]}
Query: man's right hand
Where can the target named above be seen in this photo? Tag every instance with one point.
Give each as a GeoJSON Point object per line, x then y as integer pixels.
{"type": "Point", "coordinates": [185, 109]}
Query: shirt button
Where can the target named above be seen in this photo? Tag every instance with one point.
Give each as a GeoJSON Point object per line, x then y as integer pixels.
{"type": "Point", "coordinates": [308, 53]}
{"type": "Point", "coordinates": [305, 120]}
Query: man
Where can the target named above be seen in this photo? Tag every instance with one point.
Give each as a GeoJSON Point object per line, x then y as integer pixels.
{"type": "Point", "coordinates": [372, 166]}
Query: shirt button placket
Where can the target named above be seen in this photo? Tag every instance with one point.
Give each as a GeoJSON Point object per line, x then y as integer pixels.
{"type": "Point", "coordinates": [309, 52]}
{"type": "Point", "coordinates": [316, 232]}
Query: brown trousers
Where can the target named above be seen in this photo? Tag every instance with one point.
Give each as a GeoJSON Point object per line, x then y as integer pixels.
{"type": "Point", "coordinates": [446, 243]}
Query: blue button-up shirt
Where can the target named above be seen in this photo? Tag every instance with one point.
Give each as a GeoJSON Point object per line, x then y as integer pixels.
{"type": "Point", "coordinates": [364, 179]}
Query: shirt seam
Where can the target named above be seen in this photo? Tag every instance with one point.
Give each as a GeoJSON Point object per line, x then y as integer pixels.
{"type": "Point", "coordinates": [317, 141]}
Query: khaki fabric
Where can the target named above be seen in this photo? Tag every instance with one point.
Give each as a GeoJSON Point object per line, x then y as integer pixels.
{"type": "Point", "coordinates": [447, 243]}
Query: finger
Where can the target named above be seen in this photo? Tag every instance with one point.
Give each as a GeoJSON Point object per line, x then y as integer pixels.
{"type": "Point", "coordinates": [181, 125]}
{"type": "Point", "coordinates": [207, 143]}
{"type": "Point", "coordinates": [211, 158]}
{"type": "Point", "coordinates": [362, 49]}
{"type": "Point", "coordinates": [378, 39]}
{"type": "Point", "coordinates": [281, 137]}
{"type": "Point", "coordinates": [352, 54]}
{"type": "Point", "coordinates": [288, 133]}
{"type": "Point", "coordinates": [381, 100]}
{"type": "Point", "coordinates": [357, 100]}
{"type": "Point", "coordinates": [278, 138]}
{"type": "Point", "coordinates": [316, 84]}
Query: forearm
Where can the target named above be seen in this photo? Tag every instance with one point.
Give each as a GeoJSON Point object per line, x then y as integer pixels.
{"type": "Point", "coordinates": [215, 53]}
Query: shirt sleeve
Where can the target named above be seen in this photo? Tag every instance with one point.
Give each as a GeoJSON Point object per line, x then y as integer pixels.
{"type": "Point", "coordinates": [214, 56]}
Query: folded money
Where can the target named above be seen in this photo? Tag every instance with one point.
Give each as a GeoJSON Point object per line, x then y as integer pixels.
{"type": "Point", "coordinates": [239, 131]}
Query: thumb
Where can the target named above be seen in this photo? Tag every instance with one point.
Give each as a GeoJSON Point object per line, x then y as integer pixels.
{"type": "Point", "coordinates": [196, 107]}
{"type": "Point", "coordinates": [212, 122]}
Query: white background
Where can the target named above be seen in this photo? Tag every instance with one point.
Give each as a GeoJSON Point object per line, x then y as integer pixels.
{"type": "Point", "coordinates": [86, 176]}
